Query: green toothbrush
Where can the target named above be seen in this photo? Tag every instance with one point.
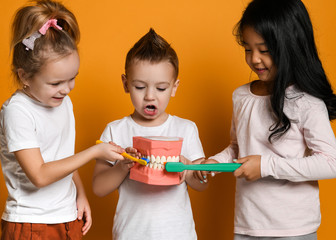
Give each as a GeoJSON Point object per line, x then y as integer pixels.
{"type": "Point", "coordinates": [217, 167]}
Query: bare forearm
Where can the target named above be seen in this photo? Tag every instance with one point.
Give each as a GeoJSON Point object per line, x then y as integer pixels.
{"type": "Point", "coordinates": [108, 180]}
{"type": "Point", "coordinates": [79, 185]}
{"type": "Point", "coordinates": [53, 171]}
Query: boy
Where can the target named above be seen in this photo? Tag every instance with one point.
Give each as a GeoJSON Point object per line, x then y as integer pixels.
{"type": "Point", "coordinates": [149, 211]}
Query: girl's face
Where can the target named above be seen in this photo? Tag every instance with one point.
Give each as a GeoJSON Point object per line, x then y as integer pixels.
{"type": "Point", "coordinates": [150, 86]}
{"type": "Point", "coordinates": [257, 55]}
{"type": "Point", "coordinates": [54, 81]}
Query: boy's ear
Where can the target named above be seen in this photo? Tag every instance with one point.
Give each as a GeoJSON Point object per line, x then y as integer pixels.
{"type": "Point", "coordinates": [23, 76]}
{"type": "Point", "coordinates": [176, 84]}
{"type": "Point", "coordinates": [124, 81]}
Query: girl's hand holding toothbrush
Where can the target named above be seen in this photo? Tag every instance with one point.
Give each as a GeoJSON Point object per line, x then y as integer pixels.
{"type": "Point", "coordinates": [202, 175]}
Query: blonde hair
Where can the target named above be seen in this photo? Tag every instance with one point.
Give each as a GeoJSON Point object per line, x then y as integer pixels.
{"type": "Point", "coordinates": [55, 43]}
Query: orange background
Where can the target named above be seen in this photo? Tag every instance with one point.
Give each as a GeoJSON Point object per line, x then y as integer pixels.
{"type": "Point", "coordinates": [212, 66]}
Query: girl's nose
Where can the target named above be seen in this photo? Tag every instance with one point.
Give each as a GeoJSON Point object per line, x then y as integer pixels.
{"type": "Point", "coordinates": [66, 89]}
{"type": "Point", "coordinates": [256, 58]}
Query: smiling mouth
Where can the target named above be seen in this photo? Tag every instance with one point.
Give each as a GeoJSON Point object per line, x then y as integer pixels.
{"type": "Point", "coordinates": [261, 69]}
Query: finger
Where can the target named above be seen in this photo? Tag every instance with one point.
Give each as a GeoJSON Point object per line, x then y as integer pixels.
{"type": "Point", "coordinates": [113, 144]}
{"type": "Point", "coordinates": [79, 214]}
{"type": "Point", "coordinates": [238, 173]}
{"type": "Point", "coordinates": [87, 222]}
{"type": "Point", "coordinates": [130, 165]}
{"type": "Point", "coordinates": [198, 175]}
{"type": "Point", "coordinates": [131, 150]}
{"type": "Point", "coordinates": [241, 160]}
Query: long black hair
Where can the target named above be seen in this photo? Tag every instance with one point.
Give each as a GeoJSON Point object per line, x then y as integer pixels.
{"type": "Point", "coordinates": [287, 30]}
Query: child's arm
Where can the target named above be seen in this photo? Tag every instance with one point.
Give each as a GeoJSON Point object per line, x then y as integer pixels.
{"type": "Point", "coordinates": [108, 177]}
{"type": "Point", "coordinates": [192, 180]}
{"type": "Point", "coordinates": [42, 174]}
{"type": "Point", "coordinates": [83, 206]}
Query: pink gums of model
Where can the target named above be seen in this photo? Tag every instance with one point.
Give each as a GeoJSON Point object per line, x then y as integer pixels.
{"type": "Point", "coordinates": [159, 150]}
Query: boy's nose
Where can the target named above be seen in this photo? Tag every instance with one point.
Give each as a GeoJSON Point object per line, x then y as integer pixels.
{"type": "Point", "coordinates": [149, 94]}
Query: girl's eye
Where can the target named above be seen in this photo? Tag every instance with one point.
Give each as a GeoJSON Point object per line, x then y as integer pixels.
{"type": "Point", "coordinates": [264, 51]}
{"type": "Point", "coordinates": [139, 88]}
{"type": "Point", "coordinates": [161, 89]}
{"type": "Point", "coordinates": [247, 50]}
{"type": "Point", "coordinates": [55, 84]}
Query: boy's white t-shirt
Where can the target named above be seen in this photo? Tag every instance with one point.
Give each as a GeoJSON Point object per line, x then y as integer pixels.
{"type": "Point", "coordinates": [149, 211]}
{"type": "Point", "coordinates": [26, 124]}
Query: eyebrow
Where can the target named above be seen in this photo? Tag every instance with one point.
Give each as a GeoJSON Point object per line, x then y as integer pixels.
{"type": "Point", "coordinates": [141, 81]}
{"type": "Point", "coordinates": [258, 44]}
{"type": "Point", "coordinates": [63, 80]}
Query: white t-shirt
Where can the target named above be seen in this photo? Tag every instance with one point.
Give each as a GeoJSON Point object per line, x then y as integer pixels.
{"type": "Point", "coordinates": [285, 201]}
{"type": "Point", "coordinates": [25, 124]}
{"type": "Point", "coordinates": [151, 212]}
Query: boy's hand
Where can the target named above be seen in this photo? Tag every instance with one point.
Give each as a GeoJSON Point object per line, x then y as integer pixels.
{"type": "Point", "coordinates": [84, 213]}
{"type": "Point", "coordinates": [133, 152]}
{"type": "Point", "coordinates": [250, 168]}
{"type": "Point", "coordinates": [202, 175]}
{"type": "Point", "coordinates": [125, 164]}
{"type": "Point", "coordinates": [185, 161]}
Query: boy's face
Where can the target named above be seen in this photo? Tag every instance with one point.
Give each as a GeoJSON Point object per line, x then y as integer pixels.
{"type": "Point", "coordinates": [150, 85]}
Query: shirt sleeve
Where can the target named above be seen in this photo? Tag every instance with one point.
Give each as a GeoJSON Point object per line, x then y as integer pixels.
{"type": "Point", "coordinates": [193, 144]}
{"type": "Point", "coordinates": [231, 151]}
{"type": "Point", "coordinates": [19, 127]}
{"type": "Point", "coordinates": [321, 145]}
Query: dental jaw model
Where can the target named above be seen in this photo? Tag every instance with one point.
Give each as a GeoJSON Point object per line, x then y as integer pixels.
{"type": "Point", "coordinates": [158, 150]}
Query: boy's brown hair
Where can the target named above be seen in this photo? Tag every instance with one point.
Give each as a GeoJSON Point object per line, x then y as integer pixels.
{"type": "Point", "coordinates": [153, 48]}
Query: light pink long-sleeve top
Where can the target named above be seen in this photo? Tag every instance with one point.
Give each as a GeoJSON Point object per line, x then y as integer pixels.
{"type": "Point", "coordinates": [285, 201]}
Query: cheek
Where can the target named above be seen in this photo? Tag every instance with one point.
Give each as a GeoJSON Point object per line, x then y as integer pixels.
{"type": "Point", "coordinates": [72, 85]}
{"type": "Point", "coordinates": [248, 59]}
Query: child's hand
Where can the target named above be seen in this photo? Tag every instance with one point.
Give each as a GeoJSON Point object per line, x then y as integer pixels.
{"type": "Point", "coordinates": [185, 161]}
{"type": "Point", "coordinates": [133, 152]}
{"type": "Point", "coordinates": [125, 164]}
{"type": "Point", "coordinates": [250, 168]}
{"type": "Point", "coordinates": [109, 151]}
{"type": "Point", "coordinates": [84, 212]}
{"type": "Point", "coordinates": [202, 175]}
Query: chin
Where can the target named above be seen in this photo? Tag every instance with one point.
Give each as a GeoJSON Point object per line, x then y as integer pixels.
{"type": "Point", "coordinates": [159, 150]}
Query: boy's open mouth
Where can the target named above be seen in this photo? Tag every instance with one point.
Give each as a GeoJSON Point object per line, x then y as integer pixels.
{"type": "Point", "coordinates": [150, 109]}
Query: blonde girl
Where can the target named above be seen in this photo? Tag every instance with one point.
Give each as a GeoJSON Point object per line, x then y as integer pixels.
{"type": "Point", "coordinates": [46, 198]}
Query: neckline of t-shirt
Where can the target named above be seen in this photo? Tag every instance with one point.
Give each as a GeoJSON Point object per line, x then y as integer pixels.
{"type": "Point", "coordinates": [255, 95]}
{"type": "Point", "coordinates": [145, 127]}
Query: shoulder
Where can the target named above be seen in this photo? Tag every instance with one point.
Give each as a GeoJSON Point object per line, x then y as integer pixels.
{"type": "Point", "coordinates": [241, 91]}
{"type": "Point", "coordinates": [120, 123]}
{"type": "Point", "coordinates": [67, 101]}
{"type": "Point", "coordinates": [16, 105]}
{"type": "Point", "coordinates": [303, 104]}
{"type": "Point", "coordinates": [303, 100]}
{"type": "Point", "coordinates": [182, 122]}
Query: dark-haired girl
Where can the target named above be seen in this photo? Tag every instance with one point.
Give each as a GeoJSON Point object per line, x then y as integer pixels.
{"type": "Point", "coordinates": [280, 131]}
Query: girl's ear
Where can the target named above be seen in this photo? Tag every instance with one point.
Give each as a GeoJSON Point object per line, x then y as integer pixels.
{"type": "Point", "coordinates": [176, 84]}
{"type": "Point", "coordinates": [23, 77]}
{"type": "Point", "coordinates": [124, 81]}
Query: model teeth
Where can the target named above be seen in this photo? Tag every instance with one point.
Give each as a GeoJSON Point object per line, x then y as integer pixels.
{"type": "Point", "coordinates": [158, 162]}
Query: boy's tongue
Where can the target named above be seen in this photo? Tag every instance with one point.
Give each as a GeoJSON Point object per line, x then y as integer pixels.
{"type": "Point", "coordinates": [150, 110]}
